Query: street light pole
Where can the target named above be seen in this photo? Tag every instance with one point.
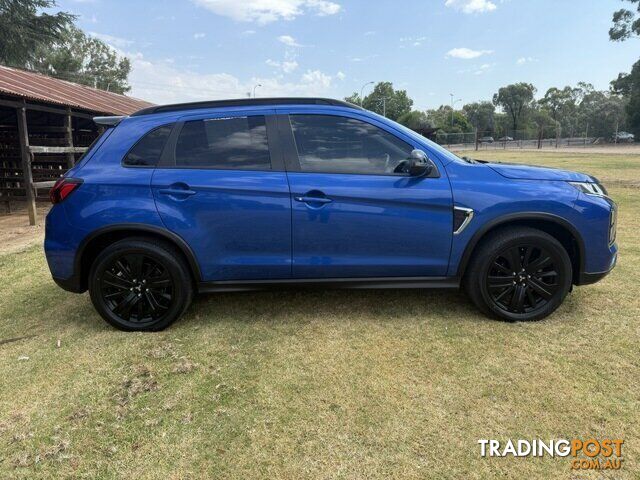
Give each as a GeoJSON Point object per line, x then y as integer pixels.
{"type": "Point", "coordinates": [452, 104]}
{"type": "Point", "coordinates": [362, 90]}
{"type": "Point", "coordinates": [254, 89]}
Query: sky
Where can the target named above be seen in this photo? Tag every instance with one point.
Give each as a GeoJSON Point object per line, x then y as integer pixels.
{"type": "Point", "coordinates": [186, 50]}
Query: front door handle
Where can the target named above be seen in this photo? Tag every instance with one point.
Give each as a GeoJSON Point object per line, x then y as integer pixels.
{"type": "Point", "coordinates": [307, 199]}
{"type": "Point", "coordinates": [176, 191]}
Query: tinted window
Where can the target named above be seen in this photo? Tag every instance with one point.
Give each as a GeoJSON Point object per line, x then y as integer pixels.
{"type": "Point", "coordinates": [235, 143]}
{"type": "Point", "coordinates": [345, 145]}
{"type": "Point", "coordinates": [148, 149]}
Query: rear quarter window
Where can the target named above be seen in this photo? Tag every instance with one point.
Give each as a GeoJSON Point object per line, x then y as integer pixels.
{"type": "Point", "coordinates": [147, 151]}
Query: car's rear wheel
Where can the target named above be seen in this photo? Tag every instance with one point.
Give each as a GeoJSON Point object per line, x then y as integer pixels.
{"type": "Point", "coordinates": [140, 285]}
{"type": "Point", "coordinates": [519, 273]}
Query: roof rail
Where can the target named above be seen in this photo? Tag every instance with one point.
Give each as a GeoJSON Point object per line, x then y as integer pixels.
{"type": "Point", "coordinates": [245, 102]}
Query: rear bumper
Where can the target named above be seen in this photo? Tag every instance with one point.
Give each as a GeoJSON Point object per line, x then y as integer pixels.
{"type": "Point", "coordinates": [71, 284]}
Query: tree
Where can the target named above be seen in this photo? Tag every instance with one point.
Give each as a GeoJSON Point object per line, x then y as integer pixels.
{"type": "Point", "coordinates": [628, 85]}
{"type": "Point", "coordinates": [385, 100]}
{"type": "Point", "coordinates": [23, 30]}
{"type": "Point", "coordinates": [86, 60]}
{"type": "Point", "coordinates": [415, 120]}
{"type": "Point", "coordinates": [625, 24]}
{"type": "Point", "coordinates": [481, 115]}
{"type": "Point", "coordinates": [448, 120]}
{"type": "Point", "coordinates": [353, 98]}
{"type": "Point", "coordinates": [515, 99]}
{"type": "Point", "coordinates": [560, 103]}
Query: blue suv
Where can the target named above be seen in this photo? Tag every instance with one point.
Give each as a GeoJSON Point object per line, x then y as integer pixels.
{"type": "Point", "coordinates": [251, 194]}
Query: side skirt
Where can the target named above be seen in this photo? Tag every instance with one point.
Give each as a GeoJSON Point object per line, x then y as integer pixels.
{"type": "Point", "coordinates": [360, 283]}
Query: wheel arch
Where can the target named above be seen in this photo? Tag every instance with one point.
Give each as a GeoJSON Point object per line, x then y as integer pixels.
{"type": "Point", "coordinates": [556, 226]}
{"type": "Point", "coordinates": [99, 239]}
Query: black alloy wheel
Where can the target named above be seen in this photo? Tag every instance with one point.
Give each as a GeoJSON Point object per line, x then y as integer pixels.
{"type": "Point", "coordinates": [523, 279]}
{"type": "Point", "coordinates": [518, 274]}
{"type": "Point", "coordinates": [137, 288]}
{"type": "Point", "coordinates": [140, 284]}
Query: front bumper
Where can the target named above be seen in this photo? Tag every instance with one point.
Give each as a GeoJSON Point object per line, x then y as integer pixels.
{"type": "Point", "coordinates": [590, 278]}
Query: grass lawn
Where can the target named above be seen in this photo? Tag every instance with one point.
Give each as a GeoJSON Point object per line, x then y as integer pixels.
{"type": "Point", "coordinates": [321, 384]}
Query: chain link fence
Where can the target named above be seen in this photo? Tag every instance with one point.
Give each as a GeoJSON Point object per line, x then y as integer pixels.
{"type": "Point", "coordinates": [545, 138]}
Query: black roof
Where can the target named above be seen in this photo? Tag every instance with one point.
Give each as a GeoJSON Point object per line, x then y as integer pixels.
{"type": "Point", "coordinates": [245, 102]}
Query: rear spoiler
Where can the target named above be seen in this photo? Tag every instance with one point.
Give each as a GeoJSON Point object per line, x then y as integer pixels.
{"type": "Point", "coordinates": [109, 121]}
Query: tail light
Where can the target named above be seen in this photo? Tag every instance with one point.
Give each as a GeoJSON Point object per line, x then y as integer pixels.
{"type": "Point", "coordinates": [63, 188]}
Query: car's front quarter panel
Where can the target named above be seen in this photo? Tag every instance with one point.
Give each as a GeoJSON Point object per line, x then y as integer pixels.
{"type": "Point", "coordinates": [494, 198]}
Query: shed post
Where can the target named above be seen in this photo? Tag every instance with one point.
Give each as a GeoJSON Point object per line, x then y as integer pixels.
{"type": "Point", "coordinates": [68, 133]}
{"type": "Point", "coordinates": [23, 134]}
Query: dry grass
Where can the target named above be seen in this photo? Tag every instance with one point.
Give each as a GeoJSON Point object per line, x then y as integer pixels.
{"type": "Point", "coordinates": [322, 384]}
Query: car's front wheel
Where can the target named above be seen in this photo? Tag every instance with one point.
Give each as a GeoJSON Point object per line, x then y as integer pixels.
{"type": "Point", "coordinates": [519, 273]}
{"type": "Point", "coordinates": [140, 284]}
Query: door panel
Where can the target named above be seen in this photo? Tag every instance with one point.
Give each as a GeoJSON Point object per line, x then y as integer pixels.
{"type": "Point", "coordinates": [352, 215]}
{"type": "Point", "coordinates": [237, 222]}
{"type": "Point", "coordinates": [371, 226]}
{"type": "Point", "coordinates": [222, 188]}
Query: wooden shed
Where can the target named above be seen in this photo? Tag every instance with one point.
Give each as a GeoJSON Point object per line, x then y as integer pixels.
{"type": "Point", "coordinates": [45, 125]}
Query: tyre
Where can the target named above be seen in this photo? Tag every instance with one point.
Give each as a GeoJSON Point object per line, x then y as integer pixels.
{"type": "Point", "coordinates": [140, 284]}
{"type": "Point", "coordinates": [519, 274]}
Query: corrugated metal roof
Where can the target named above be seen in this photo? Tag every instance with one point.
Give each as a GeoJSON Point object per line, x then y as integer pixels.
{"type": "Point", "coordinates": [42, 88]}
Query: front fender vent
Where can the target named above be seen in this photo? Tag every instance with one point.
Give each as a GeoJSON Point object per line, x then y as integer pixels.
{"type": "Point", "coordinates": [461, 218]}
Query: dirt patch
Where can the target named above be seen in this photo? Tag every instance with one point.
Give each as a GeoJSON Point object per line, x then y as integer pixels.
{"type": "Point", "coordinates": [15, 232]}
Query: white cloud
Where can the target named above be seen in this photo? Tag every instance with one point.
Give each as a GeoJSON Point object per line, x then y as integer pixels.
{"type": "Point", "coordinates": [286, 66]}
{"type": "Point", "coordinates": [523, 60]}
{"type": "Point", "coordinates": [340, 75]}
{"type": "Point", "coordinates": [484, 68]}
{"type": "Point", "coordinates": [472, 6]}
{"type": "Point", "coordinates": [116, 42]}
{"type": "Point", "coordinates": [414, 41]}
{"type": "Point", "coordinates": [199, 35]}
{"type": "Point", "coordinates": [288, 40]}
{"type": "Point", "coordinates": [161, 82]}
{"type": "Point", "coordinates": [364, 59]}
{"type": "Point", "coordinates": [266, 11]}
{"type": "Point", "coordinates": [316, 77]}
{"type": "Point", "coordinates": [248, 32]}
{"type": "Point", "coordinates": [467, 53]}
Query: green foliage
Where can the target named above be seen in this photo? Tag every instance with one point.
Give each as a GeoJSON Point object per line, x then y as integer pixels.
{"type": "Point", "coordinates": [481, 115]}
{"type": "Point", "coordinates": [515, 99]}
{"type": "Point", "coordinates": [385, 100]}
{"type": "Point", "coordinates": [448, 120]}
{"type": "Point", "coordinates": [628, 84]}
{"type": "Point", "coordinates": [415, 120]}
{"type": "Point", "coordinates": [86, 60]}
{"type": "Point", "coordinates": [625, 23]}
{"type": "Point", "coordinates": [24, 28]}
{"type": "Point", "coordinates": [353, 98]}
{"type": "Point", "coordinates": [51, 44]}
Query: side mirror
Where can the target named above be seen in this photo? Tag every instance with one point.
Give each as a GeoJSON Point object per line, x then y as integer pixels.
{"type": "Point", "coordinates": [419, 164]}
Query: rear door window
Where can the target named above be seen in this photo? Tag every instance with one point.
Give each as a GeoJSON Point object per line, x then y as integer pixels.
{"type": "Point", "coordinates": [237, 143]}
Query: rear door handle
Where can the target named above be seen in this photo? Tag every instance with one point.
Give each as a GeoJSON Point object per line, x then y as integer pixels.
{"type": "Point", "coordinates": [313, 199]}
{"type": "Point", "coordinates": [176, 191]}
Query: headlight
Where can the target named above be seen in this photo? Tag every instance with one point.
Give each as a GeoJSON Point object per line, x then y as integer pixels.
{"type": "Point", "coordinates": [590, 188]}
